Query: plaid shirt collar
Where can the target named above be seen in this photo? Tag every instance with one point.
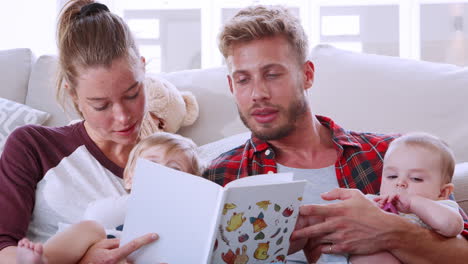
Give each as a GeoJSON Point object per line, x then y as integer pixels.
{"type": "Point", "coordinates": [340, 137]}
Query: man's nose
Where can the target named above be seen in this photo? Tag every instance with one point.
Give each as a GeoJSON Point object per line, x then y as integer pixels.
{"type": "Point", "coordinates": [260, 90]}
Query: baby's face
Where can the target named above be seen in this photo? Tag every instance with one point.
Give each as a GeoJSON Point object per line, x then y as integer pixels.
{"type": "Point", "coordinates": [414, 170]}
{"type": "Point", "coordinates": [178, 160]}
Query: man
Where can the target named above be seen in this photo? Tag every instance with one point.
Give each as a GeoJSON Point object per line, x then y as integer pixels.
{"type": "Point", "coordinates": [265, 50]}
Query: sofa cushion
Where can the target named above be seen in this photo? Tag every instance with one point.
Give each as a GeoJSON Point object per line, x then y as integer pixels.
{"type": "Point", "coordinates": [15, 67]}
{"type": "Point", "coordinates": [13, 115]}
{"type": "Point", "coordinates": [218, 117]}
{"type": "Point", "coordinates": [375, 93]}
{"type": "Point", "coordinates": [210, 151]}
{"type": "Point", "coordinates": [41, 92]}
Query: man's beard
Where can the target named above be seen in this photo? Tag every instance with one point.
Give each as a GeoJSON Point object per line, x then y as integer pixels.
{"type": "Point", "coordinates": [295, 111]}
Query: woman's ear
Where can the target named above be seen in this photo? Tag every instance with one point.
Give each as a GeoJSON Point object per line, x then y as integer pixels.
{"type": "Point", "coordinates": [143, 63]}
{"type": "Point", "coordinates": [445, 191]}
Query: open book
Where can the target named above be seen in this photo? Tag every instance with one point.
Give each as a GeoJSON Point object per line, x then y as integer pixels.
{"type": "Point", "coordinates": [250, 220]}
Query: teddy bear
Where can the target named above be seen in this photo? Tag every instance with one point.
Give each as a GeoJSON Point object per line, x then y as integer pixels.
{"type": "Point", "coordinates": [167, 109]}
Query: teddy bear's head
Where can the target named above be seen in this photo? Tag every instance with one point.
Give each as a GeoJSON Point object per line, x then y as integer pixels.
{"type": "Point", "coordinates": [167, 109]}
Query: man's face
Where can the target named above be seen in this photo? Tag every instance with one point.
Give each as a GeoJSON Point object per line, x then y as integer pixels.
{"type": "Point", "coordinates": [268, 84]}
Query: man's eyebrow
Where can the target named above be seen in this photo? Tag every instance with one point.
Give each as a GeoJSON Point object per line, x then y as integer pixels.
{"type": "Point", "coordinates": [271, 65]}
{"type": "Point", "coordinates": [263, 68]}
{"type": "Point", "coordinates": [104, 98]}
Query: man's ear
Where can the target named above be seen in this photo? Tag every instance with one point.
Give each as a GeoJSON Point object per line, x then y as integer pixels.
{"type": "Point", "coordinates": [308, 69]}
{"type": "Point", "coordinates": [230, 83]}
{"type": "Point", "coordinates": [445, 191]}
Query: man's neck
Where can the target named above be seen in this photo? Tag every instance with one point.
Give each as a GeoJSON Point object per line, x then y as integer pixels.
{"type": "Point", "coordinates": [309, 146]}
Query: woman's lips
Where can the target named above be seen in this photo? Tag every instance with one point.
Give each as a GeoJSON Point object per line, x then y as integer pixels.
{"type": "Point", "coordinates": [264, 115]}
{"type": "Point", "coordinates": [126, 131]}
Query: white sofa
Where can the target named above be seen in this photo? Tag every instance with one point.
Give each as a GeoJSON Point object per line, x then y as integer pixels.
{"type": "Point", "coordinates": [359, 91]}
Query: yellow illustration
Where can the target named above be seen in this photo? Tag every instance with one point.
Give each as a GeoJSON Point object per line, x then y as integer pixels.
{"type": "Point", "coordinates": [261, 252]}
{"type": "Point", "coordinates": [235, 222]}
{"type": "Point", "coordinates": [263, 205]}
{"type": "Point", "coordinates": [227, 207]}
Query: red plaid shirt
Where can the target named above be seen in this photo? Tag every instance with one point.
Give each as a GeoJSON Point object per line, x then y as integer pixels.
{"type": "Point", "coordinates": [359, 164]}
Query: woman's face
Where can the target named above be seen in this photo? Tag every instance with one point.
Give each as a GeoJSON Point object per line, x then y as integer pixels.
{"type": "Point", "coordinates": [112, 101]}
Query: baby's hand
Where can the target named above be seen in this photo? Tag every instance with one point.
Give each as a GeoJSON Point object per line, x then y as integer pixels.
{"type": "Point", "coordinates": [402, 202]}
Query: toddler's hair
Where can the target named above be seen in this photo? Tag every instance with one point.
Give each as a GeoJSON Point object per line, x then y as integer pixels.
{"type": "Point", "coordinates": [432, 143]}
{"type": "Point", "coordinates": [176, 145]}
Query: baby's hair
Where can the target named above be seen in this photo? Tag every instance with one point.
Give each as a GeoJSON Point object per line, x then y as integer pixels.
{"type": "Point", "coordinates": [176, 145]}
{"type": "Point", "coordinates": [432, 143]}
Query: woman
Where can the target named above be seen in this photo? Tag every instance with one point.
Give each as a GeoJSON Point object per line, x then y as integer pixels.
{"type": "Point", "coordinates": [49, 175]}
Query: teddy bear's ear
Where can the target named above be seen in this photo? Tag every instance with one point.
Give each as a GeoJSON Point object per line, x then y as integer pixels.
{"type": "Point", "coordinates": [191, 105]}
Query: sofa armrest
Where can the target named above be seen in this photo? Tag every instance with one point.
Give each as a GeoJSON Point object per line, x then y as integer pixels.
{"type": "Point", "coordinates": [460, 180]}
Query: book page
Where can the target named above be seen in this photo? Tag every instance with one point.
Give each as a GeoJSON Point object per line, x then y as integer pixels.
{"type": "Point", "coordinates": [257, 222]}
{"type": "Point", "coordinates": [180, 207]}
{"type": "Point", "coordinates": [261, 179]}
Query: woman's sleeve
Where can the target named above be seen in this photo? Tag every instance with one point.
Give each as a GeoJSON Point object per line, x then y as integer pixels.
{"type": "Point", "coordinates": [19, 174]}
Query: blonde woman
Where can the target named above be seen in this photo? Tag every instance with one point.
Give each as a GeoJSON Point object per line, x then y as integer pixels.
{"type": "Point", "coordinates": [49, 175]}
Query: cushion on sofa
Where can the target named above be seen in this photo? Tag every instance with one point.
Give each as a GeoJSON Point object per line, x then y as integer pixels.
{"type": "Point", "coordinates": [15, 67]}
{"type": "Point", "coordinates": [376, 93]}
{"type": "Point", "coordinates": [42, 92]}
{"type": "Point", "coordinates": [218, 117]}
{"type": "Point", "coordinates": [13, 115]}
{"type": "Point", "coordinates": [212, 150]}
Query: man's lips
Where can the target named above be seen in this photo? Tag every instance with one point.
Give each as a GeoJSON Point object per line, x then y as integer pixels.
{"type": "Point", "coordinates": [264, 115]}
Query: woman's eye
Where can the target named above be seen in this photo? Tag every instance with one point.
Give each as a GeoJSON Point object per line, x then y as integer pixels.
{"type": "Point", "coordinates": [392, 177]}
{"type": "Point", "coordinates": [101, 108]}
{"type": "Point", "coordinates": [133, 96]}
{"type": "Point", "coordinates": [417, 179]}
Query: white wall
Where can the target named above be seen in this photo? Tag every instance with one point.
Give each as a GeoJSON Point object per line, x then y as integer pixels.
{"type": "Point", "coordinates": [28, 24]}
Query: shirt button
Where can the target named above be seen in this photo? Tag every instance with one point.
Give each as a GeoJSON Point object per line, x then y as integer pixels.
{"type": "Point", "coordinates": [267, 152]}
{"type": "Point", "coordinates": [270, 172]}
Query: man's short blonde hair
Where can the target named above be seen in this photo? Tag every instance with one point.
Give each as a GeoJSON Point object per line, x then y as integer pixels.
{"type": "Point", "coordinates": [258, 22]}
{"type": "Point", "coordinates": [176, 145]}
{"type": "Point", "coordinates": [432, 143]}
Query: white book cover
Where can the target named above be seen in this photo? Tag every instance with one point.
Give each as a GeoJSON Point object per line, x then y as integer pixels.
{"type": "Point", "coordinates": [250, 220]}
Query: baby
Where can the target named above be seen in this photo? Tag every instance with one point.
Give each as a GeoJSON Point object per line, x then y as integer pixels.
{"type": "Point", "coordinates": [70, 245]}
{"type": "Point", "coordinates": [416, 184]}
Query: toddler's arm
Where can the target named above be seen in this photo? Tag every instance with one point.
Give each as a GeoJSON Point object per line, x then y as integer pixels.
{"type": "Point", "coordinates": [442, 216]}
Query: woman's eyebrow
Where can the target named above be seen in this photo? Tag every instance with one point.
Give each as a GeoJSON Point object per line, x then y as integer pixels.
{"type": "Point", "coordinates": [104, 98]}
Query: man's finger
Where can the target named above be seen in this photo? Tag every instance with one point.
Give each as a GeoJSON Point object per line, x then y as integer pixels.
{"type": "Point", "coordinates": [125, 250]}
{"type": "Point", "coordinates": [314, 231]}
{"type": "Point", "coordinates": [339, 194]}
{"type": "Point", "coordinates": [319, 210]}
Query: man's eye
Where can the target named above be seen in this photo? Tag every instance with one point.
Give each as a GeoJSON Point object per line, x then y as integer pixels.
{"type": "Point", "coordinates": [272, 75]}
{"type": "Point", "coordinates": [242, 80]}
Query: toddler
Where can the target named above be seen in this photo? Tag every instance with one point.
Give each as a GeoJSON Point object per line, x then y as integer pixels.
{"type": "Point", "coordinates": [416, 184]}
